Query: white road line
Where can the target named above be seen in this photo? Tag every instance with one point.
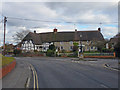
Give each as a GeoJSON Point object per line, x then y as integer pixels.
{"type": "Point", "coordinates": [103, 86]}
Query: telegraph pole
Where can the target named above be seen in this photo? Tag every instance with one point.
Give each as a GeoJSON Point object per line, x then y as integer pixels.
{"type": "Point", "coordinates": [5, 20]}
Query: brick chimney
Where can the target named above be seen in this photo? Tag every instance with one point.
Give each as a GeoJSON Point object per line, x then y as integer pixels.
{"type": "Point", "coordinates": [34, 31]}
{"type": "Point", "coordinates": [75, 30]}
{"type": "Point", "coordinates": [75, 37]}
{"type": "Point", "coordinates": [99, 29]}
{"type": "Point", "coordinates": [54, 30]}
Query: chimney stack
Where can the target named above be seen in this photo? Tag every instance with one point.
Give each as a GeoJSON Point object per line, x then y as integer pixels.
{"type": "Point", "coordinates": [34, 31]}
{"type": "Point", "coordinates": [54, 30]}
{"type": "Point", "coordinates": [99, 29]}
{"type": "Point", "coordinates": [75, 30]}
{"type": "Point", "coordinates": [75, 37]}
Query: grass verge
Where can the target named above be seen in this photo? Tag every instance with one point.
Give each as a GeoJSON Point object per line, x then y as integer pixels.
{"type": "Point", "coordinates": [5, 60]}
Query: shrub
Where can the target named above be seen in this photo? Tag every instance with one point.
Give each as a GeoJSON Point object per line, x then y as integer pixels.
{"type": "Point", "coordinates": [117, 48]}
{"type": "Point", "coordinates": [107, 50]}
{"type": "Point", "coordinates": [50, 53]}
{"type": "Point", "coordinates": [63, 51]}
{"type": "Point", "coordinates": [75, 54]}
{"type": "Point", "coordinates": [52, 47]}
{"type": "Point", "coordinates": [17, 51]}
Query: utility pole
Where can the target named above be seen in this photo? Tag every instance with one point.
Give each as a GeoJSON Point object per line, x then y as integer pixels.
{"type": "Point", "coordinates": [5, 20]}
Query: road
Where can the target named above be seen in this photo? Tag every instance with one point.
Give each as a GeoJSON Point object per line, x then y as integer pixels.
{"type": "Point", "coordinates": [63, 73]}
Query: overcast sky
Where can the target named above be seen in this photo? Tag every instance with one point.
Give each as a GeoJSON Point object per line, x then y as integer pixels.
{"type": "Point", "coordinates": [65, 16]}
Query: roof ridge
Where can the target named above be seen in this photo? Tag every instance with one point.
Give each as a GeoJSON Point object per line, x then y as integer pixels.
{"type": "Point", "coordinates": [69, 32]}
{"type": "Point", "coordinates": [89, 31]}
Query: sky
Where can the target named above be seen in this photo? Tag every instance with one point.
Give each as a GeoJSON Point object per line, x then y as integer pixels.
{"type": "Point", "coordinates": [65, 16]}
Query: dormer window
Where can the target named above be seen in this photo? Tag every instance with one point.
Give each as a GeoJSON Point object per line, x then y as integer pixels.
{"type": "Point", "coordinates": [80, 35]}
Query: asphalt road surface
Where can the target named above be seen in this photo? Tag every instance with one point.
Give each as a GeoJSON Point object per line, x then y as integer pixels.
{"type": "Point", "coordinates": [63, 73]}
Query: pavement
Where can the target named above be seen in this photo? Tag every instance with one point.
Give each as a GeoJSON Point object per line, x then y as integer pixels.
{"type": "Point", "coordinates": [17, 78]}
{"type": "Point", "coordinates": [54, 72]}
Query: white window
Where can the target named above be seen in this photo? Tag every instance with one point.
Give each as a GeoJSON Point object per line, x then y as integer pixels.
{"type": "Point", "coordinates": [61, 43]}
{"type": "Point", "coordinates": [80, 35]}
{"type": "Point", "coordinates": [71, 42]}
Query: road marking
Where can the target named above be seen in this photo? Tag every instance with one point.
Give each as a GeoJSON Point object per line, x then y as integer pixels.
{"type": "Point", "coordinates": [109, 68]}
{"type": "Point", "coordinates": [35, 77]}
{"type": "Point", "coordinates": [37, 80]}
{"type": "Point", "coordinates": [94, 65]}
{"type": "Point", "coordinates": [103, 86]}
{"type": "Point", "coordinates": [28, 83]}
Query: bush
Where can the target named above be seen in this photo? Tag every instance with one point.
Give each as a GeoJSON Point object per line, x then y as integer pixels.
{"type": "Point", "coordinates": [17, 51]}
{"type": "Point", "coordinates": [52, 47]}
{"type": "Point", "coordinates": [50, 53]}
{"type": "Point", "coordinates": [117, 48]}
{"type": "Point", "coordinates": [75, 54]}
{"type": "Point", "coordinates": [63, 51]}
{"type": "Point", "coordinates": [107, 50]}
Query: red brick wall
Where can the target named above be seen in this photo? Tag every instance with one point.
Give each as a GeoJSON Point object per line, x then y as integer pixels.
{"type": "Point", "coordinates": [8, 68]}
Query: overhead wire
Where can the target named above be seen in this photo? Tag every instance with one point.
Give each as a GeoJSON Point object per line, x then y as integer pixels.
{"type": "Point", "coordinates": [59, 21]}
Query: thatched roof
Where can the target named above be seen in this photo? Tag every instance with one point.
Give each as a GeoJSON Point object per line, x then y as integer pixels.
{"type": "Point", "coordinates": [39, 38]}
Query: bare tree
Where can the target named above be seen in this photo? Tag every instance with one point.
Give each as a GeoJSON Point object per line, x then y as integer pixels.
{"type": "Point", "coordinates": [18, 37]}
{"type": "Point", "coordinates": [99, 44]}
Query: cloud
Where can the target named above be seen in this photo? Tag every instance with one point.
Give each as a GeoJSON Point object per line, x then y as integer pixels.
{"type": "Point", "coordinates": [40, 16]}
{"type": "Point", "coordinates": [109, 32]}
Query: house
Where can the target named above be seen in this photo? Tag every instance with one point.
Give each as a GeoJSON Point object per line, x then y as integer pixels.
{"type": "Point", "coordinates": [113, 41]}
{"type": "Point", "coordinates": [9, 48]}
{"type": "Point", "coordinates": [61, 40]}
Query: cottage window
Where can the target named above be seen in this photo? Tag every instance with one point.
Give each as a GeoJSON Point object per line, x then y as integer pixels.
{"type": "Point", "coordinates": [92, 47]}
{"type": "Point", "coordinates": [71, 47]}
{"type": "Point", "coordinates": [87, 47]}
{"type": "Point", "coordinates": [80, 35]}
{"type": "Point", "coordinates": [61, 42]}
{"type": "Point", "coordinates": [37, 47]}
{"type": "Point", "coordinates": [61, 47]}
{"type": "Point", "coordinates": [44, 48]}
{"type": "Point", "coordinates": [95, 47]}
{"type": "Point", "coordinates": [71, 42]}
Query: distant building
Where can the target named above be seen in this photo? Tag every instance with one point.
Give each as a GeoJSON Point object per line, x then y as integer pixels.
{"type": "Point", "coordinates": [114, 40]}
{"type": "Point", "coordinates": [9, 48]}
{"type": "Point", "coordinates": [61, 40]}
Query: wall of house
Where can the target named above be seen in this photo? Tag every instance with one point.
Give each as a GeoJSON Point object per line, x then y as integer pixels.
{"type": "Point", "coordinates": [68, 46]}
{"type": "Point", "coordinates": [28, 46]}
{"type": "Point", "coordinates": [45, 46]}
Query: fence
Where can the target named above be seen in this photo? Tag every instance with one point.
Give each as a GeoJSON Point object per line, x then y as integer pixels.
{"type": "Point", "coordinates": [99, 55]}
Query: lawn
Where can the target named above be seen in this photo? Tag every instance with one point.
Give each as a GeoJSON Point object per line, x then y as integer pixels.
{"type": "Point", "coordinates": [5, 60]}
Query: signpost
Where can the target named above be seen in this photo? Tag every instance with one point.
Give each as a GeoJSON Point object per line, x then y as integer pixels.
{"type": "Point", "coordinates": [80, 51]}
